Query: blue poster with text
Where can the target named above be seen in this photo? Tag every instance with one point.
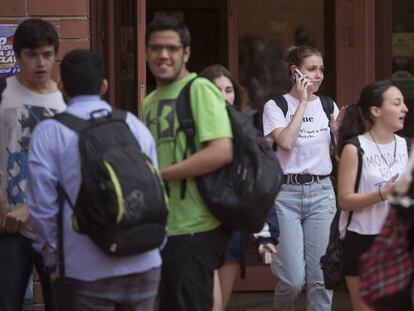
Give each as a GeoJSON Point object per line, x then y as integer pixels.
{"type": "Point", "coordinates": [8, 64]}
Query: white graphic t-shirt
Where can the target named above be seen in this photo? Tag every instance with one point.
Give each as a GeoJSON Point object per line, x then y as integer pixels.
{"type": "Point", "coordinates": [378, 166]}
{"type": "Point", "coordinates": [310, 154]}
{"type": "Point", "coordinates": [20, 111]}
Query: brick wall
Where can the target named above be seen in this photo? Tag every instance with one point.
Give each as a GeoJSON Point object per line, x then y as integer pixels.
{"type": "Point", "coordinates": [70, 17]}
{"type": "Point", "coordinates": [72, 21]}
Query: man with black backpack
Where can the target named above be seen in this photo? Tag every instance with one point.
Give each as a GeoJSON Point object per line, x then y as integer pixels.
{"type": "Point", "coordinates": [95, 198]}
{"type": "Point", "coordinates": [196, 241]}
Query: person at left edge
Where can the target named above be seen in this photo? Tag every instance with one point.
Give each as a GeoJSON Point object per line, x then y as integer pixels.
{"type": "Point", "coordinates": [28, 98]}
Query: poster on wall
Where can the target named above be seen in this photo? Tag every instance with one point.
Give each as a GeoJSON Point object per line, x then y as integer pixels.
{"type": "Point", "coordinates": [8, 64]}
{"type": "Point", "coordinates": [403, 62]}
{"type": "Point", "coordinates": [403, 55]}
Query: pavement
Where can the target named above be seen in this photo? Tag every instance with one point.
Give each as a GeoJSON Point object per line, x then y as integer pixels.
{"type": "Point", "coordinates": [262, 301]}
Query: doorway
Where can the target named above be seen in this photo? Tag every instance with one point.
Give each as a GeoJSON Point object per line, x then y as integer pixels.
{"type": "Point", "coordinates": [207, 22]}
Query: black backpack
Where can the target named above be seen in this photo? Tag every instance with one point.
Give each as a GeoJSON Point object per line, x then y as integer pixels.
{"type": "Point", "coordinates": [121, 203]}
{"type": "Point", "coordinates": [240, 194]}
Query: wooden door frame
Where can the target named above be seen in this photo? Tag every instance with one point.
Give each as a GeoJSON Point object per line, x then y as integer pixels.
{"type": "Point", "coordinates": [233, 40]}
{"type": "Point", "coordinates": [102, 36]}
{"type": "Point", "coordinates": [355, 48]}
{"type": "Point", "coordinates": [383, 39]}
{"type": "Point", "coordinates": [141, 62]}
{"type": "Point", "coordinates": [103, 44]}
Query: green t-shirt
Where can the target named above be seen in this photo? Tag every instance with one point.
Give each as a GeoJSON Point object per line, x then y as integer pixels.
{"type": "Point", "coordinates": [188, 215]}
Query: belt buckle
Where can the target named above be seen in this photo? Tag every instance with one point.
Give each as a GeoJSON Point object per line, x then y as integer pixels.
{"type": "Point", "coordinates": [310, 182]}
{"type": "Point", "coordinates": [294, 179]}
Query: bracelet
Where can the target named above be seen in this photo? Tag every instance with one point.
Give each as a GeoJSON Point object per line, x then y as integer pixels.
{"type": "Point", "coordinates": [380, 195]}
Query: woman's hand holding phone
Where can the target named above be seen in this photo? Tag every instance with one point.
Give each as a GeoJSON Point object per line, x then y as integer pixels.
{"type": "Point", "coordinates": [302, 84]}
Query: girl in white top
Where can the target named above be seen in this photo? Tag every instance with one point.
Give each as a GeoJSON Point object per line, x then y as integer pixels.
{"type": "Point", "coordinates": [378, 114]}
{"type": "Point", "coordinates": [305, 205]}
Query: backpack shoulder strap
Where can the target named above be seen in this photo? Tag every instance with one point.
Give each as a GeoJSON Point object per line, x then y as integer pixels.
{"type": "Point", "coordinates": [328, 107]}
{"type": "Point", "coordinates": [355, 141]}
{"type": "Point", "coordinates": [3, 84]}
{"type": "Point", "coordinates": [186, 124]}
{"type": "Point", "coordinates": [185, 115]}
{"type": "Point", "coordinates": [69, 120]}
{"type": "Point", "coordinates": [282, 104]}
{"type": "Point", "coordinates": [119, 114]}
{"type": "Point", "coordinates": [408, 140]}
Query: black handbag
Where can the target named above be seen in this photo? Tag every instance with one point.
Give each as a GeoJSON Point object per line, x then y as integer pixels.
{"type": "Point", "coordinates": [332, 262]}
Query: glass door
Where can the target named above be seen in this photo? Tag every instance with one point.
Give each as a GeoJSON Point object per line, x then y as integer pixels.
{"type": "Point", "coordinates": [118, 30]}
{"type": "Point", "coordinates": [266, 31]}
{"type": "Point", "coordinates": [402, 55]}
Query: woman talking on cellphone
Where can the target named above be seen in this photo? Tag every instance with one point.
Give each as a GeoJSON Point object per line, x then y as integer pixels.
{"type": "Point", "coordinates": [306, 204]}
{"type": "Point", "coordinates": [373, 120]}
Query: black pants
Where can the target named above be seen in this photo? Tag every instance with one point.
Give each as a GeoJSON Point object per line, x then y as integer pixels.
{"type": "Point", "coordinates": [16, 262]}
{"type": "Point", "coordinates": [188, 266]}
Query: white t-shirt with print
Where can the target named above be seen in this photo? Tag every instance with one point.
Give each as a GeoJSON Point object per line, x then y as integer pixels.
{"type": "Point", "coordinates": [20, 111]}
{"type": "Point", "coordinates": [374, 173]}
{"type": "Point", "coordinates": [310, 154]}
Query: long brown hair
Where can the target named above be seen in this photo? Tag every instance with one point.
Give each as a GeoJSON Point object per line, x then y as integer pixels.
{"type": "Point", "coordinates": [216, 71]}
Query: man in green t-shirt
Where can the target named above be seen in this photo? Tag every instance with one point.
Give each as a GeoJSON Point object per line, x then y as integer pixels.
{"type": "Point", "coordinates": [196, 241]}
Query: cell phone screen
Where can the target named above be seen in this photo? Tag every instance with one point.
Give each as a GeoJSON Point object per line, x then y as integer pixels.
{"type": "Point", "coordinates": [296, 74]}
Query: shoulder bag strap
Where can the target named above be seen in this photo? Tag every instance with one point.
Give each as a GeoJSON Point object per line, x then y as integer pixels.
{"type": "Point", "coordinates": [186, 124]}
{"type": "Point", "coordinates": [69, 120]}
{"type": "Point", "coordinates": [328, 107]}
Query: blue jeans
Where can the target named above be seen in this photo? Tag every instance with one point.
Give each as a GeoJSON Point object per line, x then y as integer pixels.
{"type": "Point", "coordinates": [16, 264]}
{"type": "Point", "coordinates": [305, 213]}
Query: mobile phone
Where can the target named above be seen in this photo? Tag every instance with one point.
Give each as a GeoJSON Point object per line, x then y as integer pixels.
{"type": "Point", "coordinates": [296, 74]}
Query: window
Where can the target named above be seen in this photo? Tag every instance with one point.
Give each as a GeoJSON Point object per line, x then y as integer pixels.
{"type": "Point", "coordinates": [266, 31]}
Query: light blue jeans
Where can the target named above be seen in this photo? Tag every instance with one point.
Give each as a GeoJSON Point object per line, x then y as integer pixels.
{"type": "Point", "coordinates": [305, 213]}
